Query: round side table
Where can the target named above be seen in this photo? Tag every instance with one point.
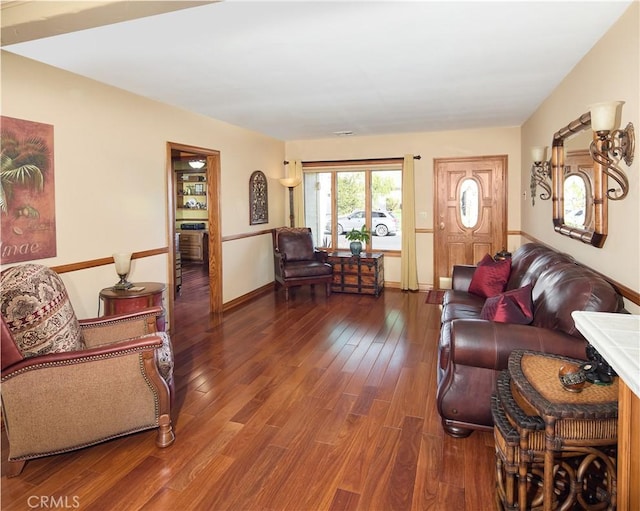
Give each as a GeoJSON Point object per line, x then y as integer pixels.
{"type": "Point", "coordinates": [118, 301]}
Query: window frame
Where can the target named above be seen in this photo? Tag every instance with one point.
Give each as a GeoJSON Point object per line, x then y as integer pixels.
{"type": "Point", "coordinates": [368, 169]}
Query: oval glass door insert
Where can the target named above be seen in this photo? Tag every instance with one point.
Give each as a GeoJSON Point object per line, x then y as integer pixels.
{"type": "Point", "coordinates": [469, 203]}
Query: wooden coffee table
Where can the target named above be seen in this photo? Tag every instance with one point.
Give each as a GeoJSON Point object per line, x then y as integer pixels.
{"type": "Point", "coordinates": [363, 274]}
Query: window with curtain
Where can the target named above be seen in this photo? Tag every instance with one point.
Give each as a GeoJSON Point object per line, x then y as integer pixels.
{"type": "Point", "coordinates": [340, 199]}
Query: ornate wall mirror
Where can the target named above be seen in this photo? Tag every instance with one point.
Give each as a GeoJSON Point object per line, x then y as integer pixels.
{"type": "Point", "coordinates": [578, 185]}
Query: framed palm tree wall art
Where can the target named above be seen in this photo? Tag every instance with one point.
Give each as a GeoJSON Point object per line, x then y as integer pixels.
{"type": "Point", "coordinates": [27, 192]}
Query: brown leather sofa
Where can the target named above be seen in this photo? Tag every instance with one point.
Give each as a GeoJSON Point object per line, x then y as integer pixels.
{"type": "Point", "coordinates": [472, 351]}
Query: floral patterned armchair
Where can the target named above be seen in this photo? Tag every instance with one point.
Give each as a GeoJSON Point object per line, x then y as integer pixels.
{"type": "Point", "coordinates": [69, 384]}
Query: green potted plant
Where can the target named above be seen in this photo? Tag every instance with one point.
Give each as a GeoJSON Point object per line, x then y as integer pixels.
{"type": "Point", "coordinates": [357, 237]}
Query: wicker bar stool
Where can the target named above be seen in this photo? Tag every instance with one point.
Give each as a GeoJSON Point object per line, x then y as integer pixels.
{"type": "Point", "coordinates": [580, 433]}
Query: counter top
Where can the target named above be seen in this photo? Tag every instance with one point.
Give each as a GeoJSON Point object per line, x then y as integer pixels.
{"type": "Point", "coordinates": [617, 339]}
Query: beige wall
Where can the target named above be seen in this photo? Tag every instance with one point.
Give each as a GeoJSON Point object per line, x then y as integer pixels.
{"type": "Point", "coordinates": [110, 177]}
{"type": "Point", "coordinates": [110, 170]}
{"type": "Point", "coordinates": [428, 145]}
{"type": "Point", "coordinates": [610, 71]}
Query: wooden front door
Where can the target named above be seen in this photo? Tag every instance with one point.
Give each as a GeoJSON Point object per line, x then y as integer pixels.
{"type": "Point", "coordinates": [470, 214]}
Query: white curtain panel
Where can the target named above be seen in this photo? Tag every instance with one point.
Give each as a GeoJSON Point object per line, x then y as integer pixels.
{"type": "Point", "coordinates": [408, 262]}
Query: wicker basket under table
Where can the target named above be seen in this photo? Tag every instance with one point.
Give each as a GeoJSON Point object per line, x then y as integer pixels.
{"type": "Point", "coordinates": [582, 425]}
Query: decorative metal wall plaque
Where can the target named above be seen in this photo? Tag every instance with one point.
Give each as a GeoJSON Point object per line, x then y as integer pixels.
{"type": "Point", "coordinates": [258, 198]}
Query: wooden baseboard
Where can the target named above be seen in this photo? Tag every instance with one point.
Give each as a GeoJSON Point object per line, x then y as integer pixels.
{"type": "Point", "coordinates": [268, 288]}
{"type": "Point", "coordinates": [422, 288]}
{"type": "Point", "coordinates": [236, 302]}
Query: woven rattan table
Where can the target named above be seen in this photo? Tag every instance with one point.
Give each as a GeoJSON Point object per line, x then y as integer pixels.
{"type": "Point", "coordinates": [519, 441]}
{"type": "Point", "coordinates": [578, 426]}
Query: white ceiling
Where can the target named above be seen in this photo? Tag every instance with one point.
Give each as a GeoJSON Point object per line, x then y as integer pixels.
{"type": "Point", "coordinates": [297, 70]}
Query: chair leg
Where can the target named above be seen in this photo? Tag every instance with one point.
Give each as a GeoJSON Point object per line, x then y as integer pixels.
{"type": "Point", "coordinates": [313, 289]}
{"type": "Point", "coordinates": [165, 432]}
{"type": "Point", "coordinates": [286, 294]}
{"type": "Point", "coordinates": [14, 467]}
{"type": "Point", "coordinates": [328, 289]}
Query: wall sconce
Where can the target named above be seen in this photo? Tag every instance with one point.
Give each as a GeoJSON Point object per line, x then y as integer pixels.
{"type": "Point", "coordinates": [610, 146]}
{"type": "Point", "coordinates": [123, 266]}
{"type": "Point", "coordinates": [290, 183]}
{"type": "Point", "coordinates": [540, 174]}
{"type": "Point", "coordinates": [196, 164]}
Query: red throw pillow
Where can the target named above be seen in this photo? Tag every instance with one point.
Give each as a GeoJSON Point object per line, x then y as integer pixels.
{"type": "Point", "coordinates": [513, 306]}
{"type": "Point", "coordinates": [490, 277]}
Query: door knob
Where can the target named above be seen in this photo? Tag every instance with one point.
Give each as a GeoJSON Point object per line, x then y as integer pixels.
{"type": "Point", "coordinates": [442, 226]}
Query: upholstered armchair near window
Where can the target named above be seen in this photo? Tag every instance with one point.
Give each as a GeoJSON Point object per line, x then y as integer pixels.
{"type": "Point", "coordinates": [296, 262]}
{"type": "Point", "coordinates": [69, 384]}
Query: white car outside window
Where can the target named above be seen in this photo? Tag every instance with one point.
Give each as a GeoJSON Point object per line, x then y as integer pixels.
{"type": "Point", "coordinates": [383, 222]}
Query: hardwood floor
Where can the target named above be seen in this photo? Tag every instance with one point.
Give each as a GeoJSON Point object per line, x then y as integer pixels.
{"type": "Point", "coordinates": [308, 405]}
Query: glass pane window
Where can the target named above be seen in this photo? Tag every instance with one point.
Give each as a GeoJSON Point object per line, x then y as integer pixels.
{"type": "Point", "coordinates": [350, 201]}
{"type": "Point", "coordinates": [318, 206]}
{"type": "Point", "coordinates": [337, 201]}
{"type": "Point", "coordinates": [575, 201]}
{"type": "Point", "coordinates": [469, 203]}
{"type": "Point", "coordinates": [386, 209]}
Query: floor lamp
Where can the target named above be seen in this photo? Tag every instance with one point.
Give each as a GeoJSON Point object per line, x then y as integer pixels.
{"type": "Point", "coordinates": [291, 183]}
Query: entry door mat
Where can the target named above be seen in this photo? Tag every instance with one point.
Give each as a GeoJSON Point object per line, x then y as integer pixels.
{"type": "Point", "coordinates": [435, 296]}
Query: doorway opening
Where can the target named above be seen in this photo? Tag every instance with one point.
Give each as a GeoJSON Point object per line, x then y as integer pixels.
{"type": "Point", "coordinates": [195, 251]}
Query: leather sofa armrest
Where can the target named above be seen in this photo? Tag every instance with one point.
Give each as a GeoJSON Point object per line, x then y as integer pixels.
{"type": "Point", "coordinates": [481, 343]}
{"type": "Point", "coordinates": [278, 263]}
{"type": "Point", "coordinates": [321, 256]}
{"type": "Point", "coordinates": [461, 277]}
